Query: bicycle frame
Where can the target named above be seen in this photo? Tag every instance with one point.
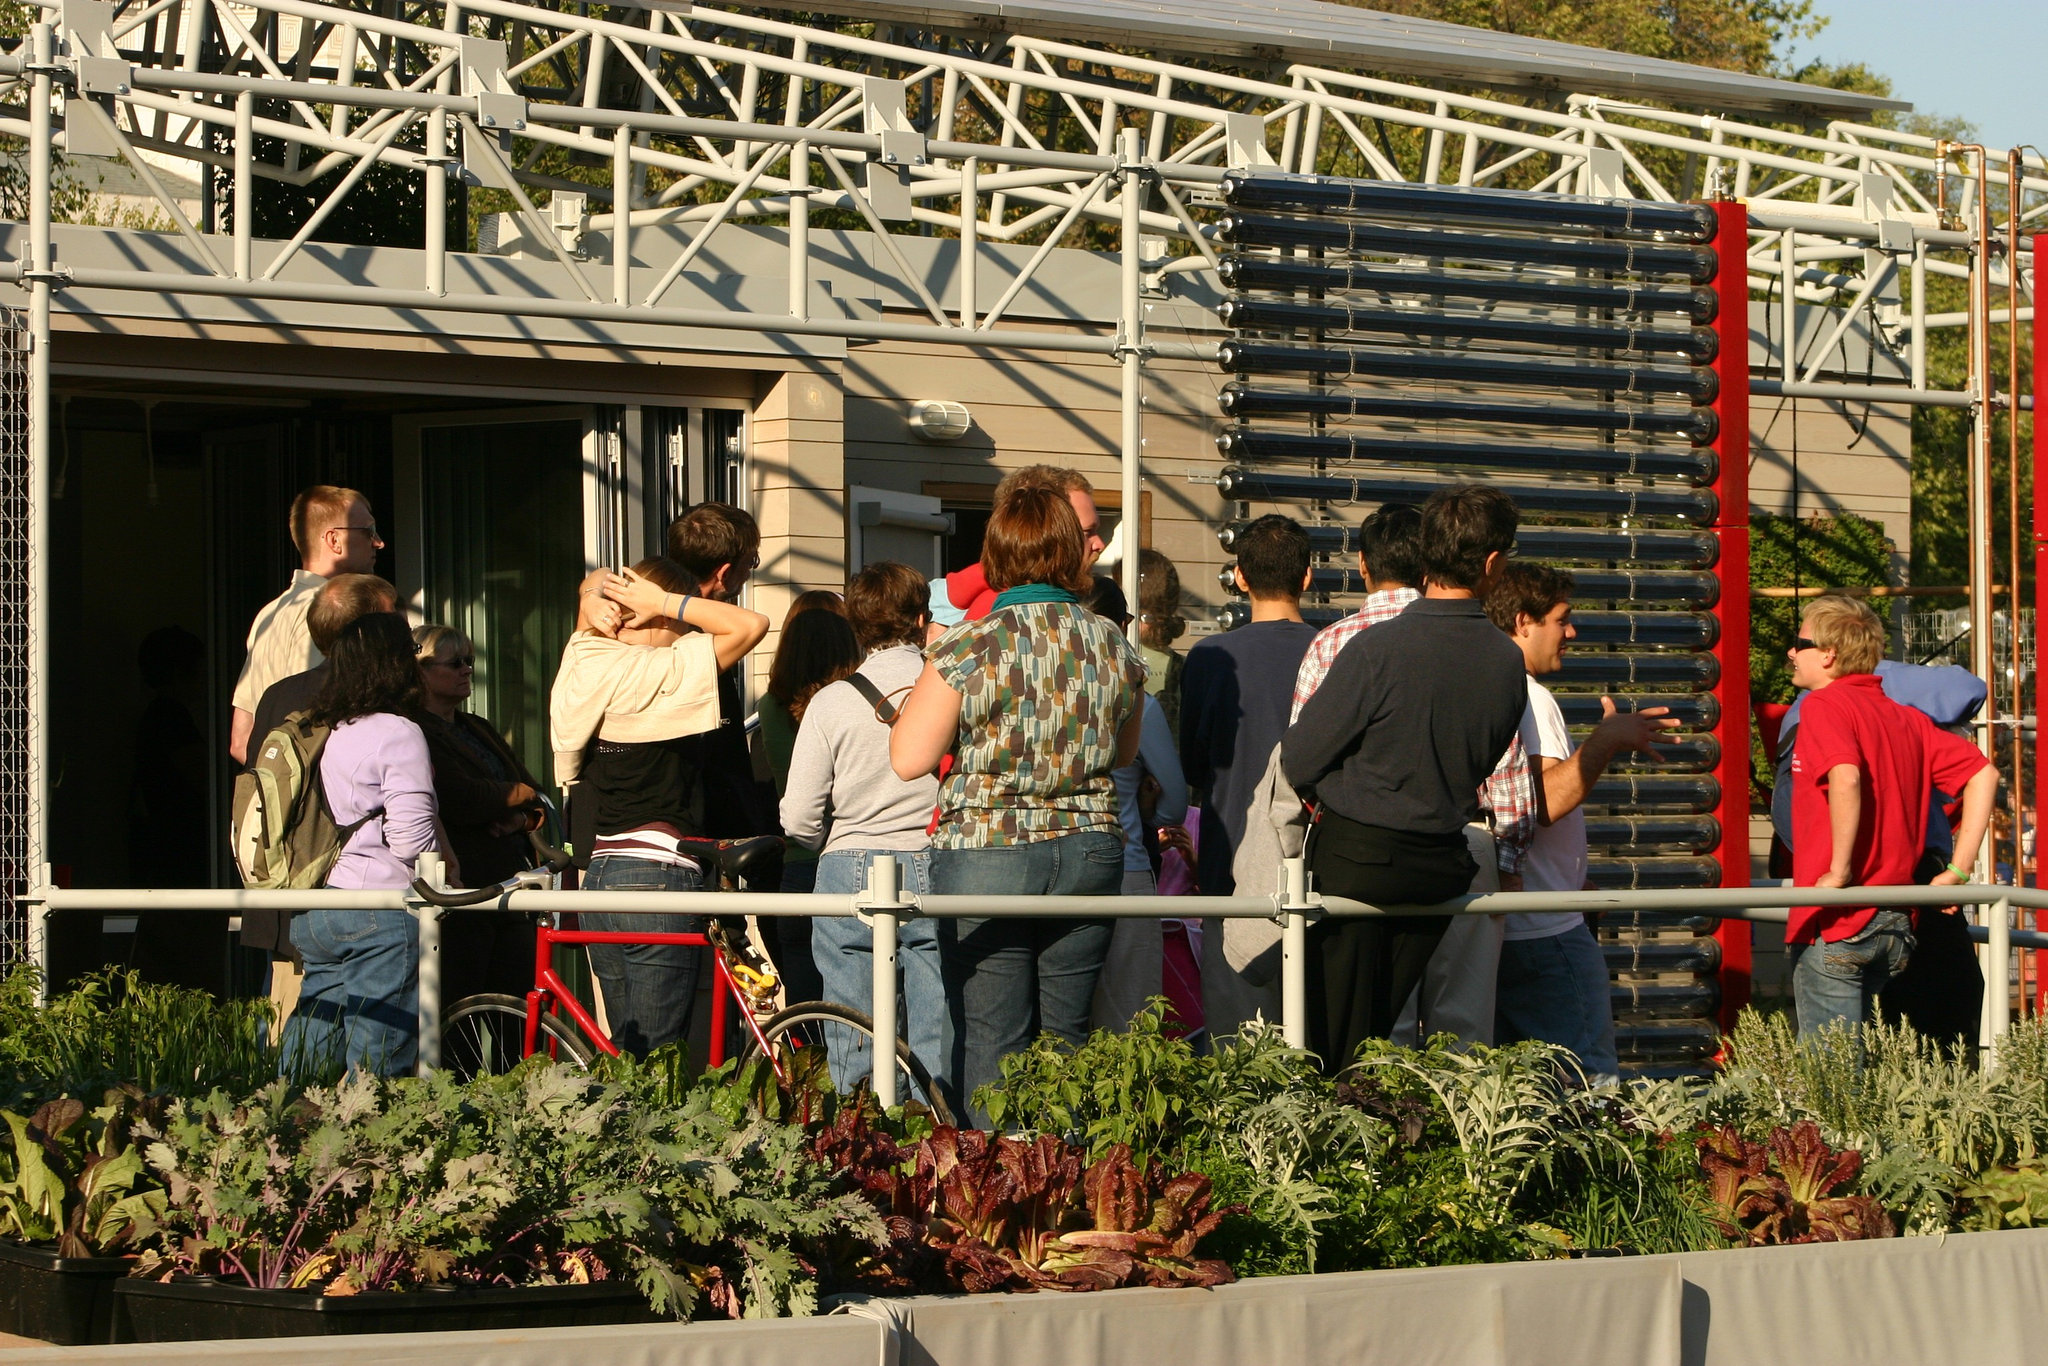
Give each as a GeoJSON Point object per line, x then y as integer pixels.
{"type": "Point", "coordinates": [552, 995]}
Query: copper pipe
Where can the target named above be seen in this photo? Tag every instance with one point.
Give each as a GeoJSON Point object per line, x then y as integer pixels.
{"type": "Point", "coordinates": [1933, 590]}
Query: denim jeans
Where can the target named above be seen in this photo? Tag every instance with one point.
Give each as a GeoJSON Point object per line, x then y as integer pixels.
{"type": "Point", "coordinates": [1556, 989]}
{"type": "Point", "coordinates": [1840, 980]}
{"type": "Point", "coordinates": [648, 988]}
{"type": "Point", "coordinates": [1010, 978]}
{"type": "Point", "coordinates": [359, 1002]}
{"type": "Point", "coordinates": [845, 953]}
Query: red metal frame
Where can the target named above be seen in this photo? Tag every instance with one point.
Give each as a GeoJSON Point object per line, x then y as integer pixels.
{"type": "Point", "coordinates": [1731, 529]}
{"type": "Point", "coordinates": [550, 994]}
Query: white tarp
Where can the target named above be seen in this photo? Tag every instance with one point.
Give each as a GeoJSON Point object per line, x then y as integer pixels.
{"type": "Point", "coordinates": [1899, 1302]}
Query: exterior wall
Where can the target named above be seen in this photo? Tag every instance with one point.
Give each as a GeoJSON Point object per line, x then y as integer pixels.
{"type": "Point", "coordinates": [798, 481]}
{"type": "Point", "coordinates": [827, 414]}
{"type": "Point", "coordinates": [1033, 408]}
{"type": "Point", "coordinates": [1812, 457]}
{"type": "Point", "coordinates": [1807, 456]}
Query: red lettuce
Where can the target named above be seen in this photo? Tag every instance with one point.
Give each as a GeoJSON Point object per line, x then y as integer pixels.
{"type": "Point", "coordinates": [979, 1212]}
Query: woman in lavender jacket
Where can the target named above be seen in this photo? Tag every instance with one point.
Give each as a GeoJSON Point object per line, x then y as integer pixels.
{"type": "Point", "coordinates": [359, 1004]}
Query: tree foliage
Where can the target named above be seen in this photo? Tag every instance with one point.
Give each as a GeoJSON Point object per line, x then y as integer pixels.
{"type": "Point", "coordinates": [1733, 35]}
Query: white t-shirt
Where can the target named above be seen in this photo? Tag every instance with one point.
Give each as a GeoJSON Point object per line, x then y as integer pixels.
{"type": "Point", "coordinates": [280, 643]}
{"type": "Point", "coordinates": [1556, 861]}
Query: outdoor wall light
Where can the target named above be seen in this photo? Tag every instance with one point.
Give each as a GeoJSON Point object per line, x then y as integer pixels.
{"type": "Point", "coordinates": [933, 419]}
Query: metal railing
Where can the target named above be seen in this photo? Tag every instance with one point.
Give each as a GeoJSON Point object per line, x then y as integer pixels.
{"type": "Point", "coordinates": [885, 906]}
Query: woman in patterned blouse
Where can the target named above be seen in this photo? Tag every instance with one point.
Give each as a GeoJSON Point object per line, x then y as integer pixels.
{"type": "Point", "coordinates": [1038, 704]}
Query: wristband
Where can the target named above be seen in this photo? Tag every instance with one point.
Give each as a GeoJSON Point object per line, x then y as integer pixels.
{"type": "Point", "coordinates": [682, 601]}
{"type": "Point", "coordinates": [1958, 872]}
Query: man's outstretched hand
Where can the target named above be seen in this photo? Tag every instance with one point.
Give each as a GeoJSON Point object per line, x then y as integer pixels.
{"type": "Point", "coordinates": [1642, 730]}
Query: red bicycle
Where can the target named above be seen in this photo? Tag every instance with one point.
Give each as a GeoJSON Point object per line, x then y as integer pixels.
{"type": "Point", "coordinates": [491, 1032]}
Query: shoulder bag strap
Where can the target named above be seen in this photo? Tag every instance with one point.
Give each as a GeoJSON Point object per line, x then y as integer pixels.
{"type": "Point", "coordinates": [885, 710]}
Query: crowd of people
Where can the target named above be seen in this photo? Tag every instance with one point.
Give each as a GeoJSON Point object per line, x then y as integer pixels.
{"type": "Point", "coordinates": [1001, 733]}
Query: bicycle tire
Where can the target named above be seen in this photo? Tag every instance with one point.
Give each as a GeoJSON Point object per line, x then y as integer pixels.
{"type": "Point", "coordinates": [485, 1035]}
{"type": "Point", "coordinates": [843, 1022]}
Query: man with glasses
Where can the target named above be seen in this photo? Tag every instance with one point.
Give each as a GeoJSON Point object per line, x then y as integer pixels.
{"type": "Point", "coordinates": [335, 534]}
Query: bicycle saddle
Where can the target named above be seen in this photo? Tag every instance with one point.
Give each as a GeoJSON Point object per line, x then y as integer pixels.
{"type": "Point", "coordinates": [737, 859]}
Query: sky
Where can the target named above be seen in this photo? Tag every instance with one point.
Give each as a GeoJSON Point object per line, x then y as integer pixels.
{"type": "Point", "coordinates": [1980, 59]}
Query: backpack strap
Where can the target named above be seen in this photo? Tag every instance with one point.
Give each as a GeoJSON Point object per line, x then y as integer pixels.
{"type": "Point", "coordinates": [885, 710]}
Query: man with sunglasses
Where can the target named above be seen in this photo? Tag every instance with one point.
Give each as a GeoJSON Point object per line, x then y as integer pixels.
{"type": "Point", "coordinates": [1863, 767]}
{"type": "Point", "coordinates": [335, 534]}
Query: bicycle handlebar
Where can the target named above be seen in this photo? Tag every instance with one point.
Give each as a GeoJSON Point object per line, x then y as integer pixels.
{"type": "Point", "coordinates": [552, 860]}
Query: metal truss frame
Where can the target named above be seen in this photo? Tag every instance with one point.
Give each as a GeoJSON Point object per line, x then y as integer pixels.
{"type": "Point", "coordinates": [695, 117]}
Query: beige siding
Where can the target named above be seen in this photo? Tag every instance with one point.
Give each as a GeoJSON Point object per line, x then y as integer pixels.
{"type": "Point", "coordinates": [1812, 457]}
{"type": "Point", "coordinates": [798, 484]}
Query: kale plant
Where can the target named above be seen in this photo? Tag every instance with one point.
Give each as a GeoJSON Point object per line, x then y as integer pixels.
{"type": "Point", "coordinates": [542, 1176]}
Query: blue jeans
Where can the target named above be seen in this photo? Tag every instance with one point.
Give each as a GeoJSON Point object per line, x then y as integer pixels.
{"type": "Point", "coordinates": [1010, 978]}
{"type": "Point", "coordinates": [1840, 981]}
{"type": "Point", "coordinates": [648, 988]}
{"type": "Point", "coordinates": [359, 1003]}
{"type": "Point", "coordinates": [845, 953]}
{"type": "Point", "coordinates": [1555, 989]}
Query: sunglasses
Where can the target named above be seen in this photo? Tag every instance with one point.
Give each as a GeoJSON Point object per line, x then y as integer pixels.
{"type": "Point", "coordinates": [465, 662]}
{"type": "Point", "coordinates": [1802, 643]}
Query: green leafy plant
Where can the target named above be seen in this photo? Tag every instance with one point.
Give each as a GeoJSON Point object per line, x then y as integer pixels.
{"type": "Point", "coordinates": [542, 1176]}
{"type": "Point", "coordinates": [1926, 1125]}
{"type": "Point", "coordinates": [2007, 1197]}
{"type": "Point", "coordinates": [1411, 1158]}
{"type": "Point", "coordinates": [75, 1177]}
{"type": "Point", "coordinates": [115, 1030]}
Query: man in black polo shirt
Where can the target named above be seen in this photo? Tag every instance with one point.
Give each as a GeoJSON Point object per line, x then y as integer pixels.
{"type": "Point", "coordinates": [1393, 748]}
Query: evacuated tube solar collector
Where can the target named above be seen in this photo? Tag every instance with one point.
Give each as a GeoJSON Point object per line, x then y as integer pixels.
{"type": "Point", "coordinates": [1389, 339]}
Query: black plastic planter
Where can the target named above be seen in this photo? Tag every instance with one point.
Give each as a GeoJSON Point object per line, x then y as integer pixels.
{"type": "Point", "coordinates": [65, 1300]}
{"type": "Point", "coordinates": [198, 1309]}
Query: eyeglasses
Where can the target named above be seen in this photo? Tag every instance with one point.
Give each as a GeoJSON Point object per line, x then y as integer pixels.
{"type": "Point", "coordinates": [1802, 643]}
{"type": "Point", "coordinates": [371, 530]}
{"type": "Point", "coordinates": [465, 662]}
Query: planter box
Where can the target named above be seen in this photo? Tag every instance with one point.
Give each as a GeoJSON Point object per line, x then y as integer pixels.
{"type": "Point", "coordinates": [202, 1308]}
{"type": "Point", "coordinates": [65, 1300]}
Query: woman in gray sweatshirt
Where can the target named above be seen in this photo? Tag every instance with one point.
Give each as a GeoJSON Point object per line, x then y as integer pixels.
{"type": "Point", "coordinates": [844, 799]}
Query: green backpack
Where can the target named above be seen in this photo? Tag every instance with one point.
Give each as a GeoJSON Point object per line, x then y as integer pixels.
{"type": "Point", "coordinates": [284, 836]}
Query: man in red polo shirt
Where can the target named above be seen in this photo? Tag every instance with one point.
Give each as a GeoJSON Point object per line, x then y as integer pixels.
{"type": "Point", "coordinates": [1863, 767]}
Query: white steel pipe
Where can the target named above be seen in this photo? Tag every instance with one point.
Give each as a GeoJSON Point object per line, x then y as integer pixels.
{"type": "Point", "coordinates": [883, 887]}
{"type": "Point", "coordinates": [970, 238]}
{"type": "Point", "coordinates": [42, 50]}
{"type": "Point", "coordinates": [429, 868]}
{"type": "Point", "coordinates": [1864, 393]}
{"type": "Point", "coordinates": [1998, 978]}
{"type": "Point", "coordinates": [1294, 955]}
{"type": "Point", "coordinates": [799, 230]}
{"type": "Point", "coordinates": [245, 183]}
{"type": "Point", "coordinates": [1735, 902]}
{"type": "Point", "coordinates": [1131, 333]}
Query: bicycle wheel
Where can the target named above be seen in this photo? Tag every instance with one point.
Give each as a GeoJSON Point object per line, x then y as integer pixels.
{"type": "Point", "coordinates": [486, 1035]}
{"type": "Point", "coordinates": [848, 1038]}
